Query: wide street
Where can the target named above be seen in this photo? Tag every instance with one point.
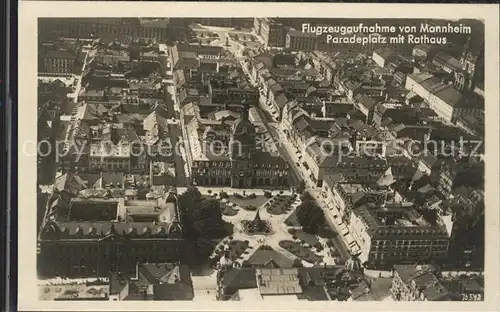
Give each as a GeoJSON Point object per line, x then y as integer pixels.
{"type": "Point", "coordinates": [287, 150]}
{"type": "Point", "coordinates": [175, 132]}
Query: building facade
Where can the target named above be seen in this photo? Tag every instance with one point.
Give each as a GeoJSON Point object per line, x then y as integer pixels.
{"type": "Point", "coordinates": [158, 29]}
{"type": "Point", "coordinates": [388, 236]}
{"type": "Point", "coordinates": [59, 57]}
{"type": "Point", "coordinates": [225, 153]}
{"type": "Point", "coordinates": [59, 62]}
{"type": "Point", "coordinates": [141, 231]}
{"type": "Point", "coordinates": [271, 31]}
{"type": "Point", "coordinates": [417, 283]}
{"type": "Point", "coordinates": [297, 40]}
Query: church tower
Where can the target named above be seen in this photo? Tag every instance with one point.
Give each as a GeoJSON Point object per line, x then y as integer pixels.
{"type": "Point", "coordinates": [472, 63]}
{"type": "Point", "coordinates": [242, 150]}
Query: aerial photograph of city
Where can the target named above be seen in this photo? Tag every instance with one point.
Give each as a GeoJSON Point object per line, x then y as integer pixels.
{"type": "Point", "coordinates": [257, 159]}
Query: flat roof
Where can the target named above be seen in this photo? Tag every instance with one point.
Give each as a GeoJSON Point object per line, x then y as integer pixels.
{"type": "Point", "coordinates": [75, 291]}
{"type": "Point", "coordinates": [278, 281]}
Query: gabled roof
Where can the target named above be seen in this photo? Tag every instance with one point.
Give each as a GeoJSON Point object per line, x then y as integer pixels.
{"type": "Point", "coordinates": [69, 182]}
{"type": "Point", "coordinates": [115, 179]}
{"type": "Point", "coordinates": [239, 278]}
{"type": "Point", "coordinates": [160, 273]}
{"type": "Point", "coordinates": [265, 58]}
{"type": "Point", "coordinates": [366, 101]}
{"type": "Point", "coordinates": [153, 119]}
{"type": "Point", "coordinates": [276, 88]}
{"type": "Point", "coordinates": [169, 281]}
{"type": "Point", "coordinates": [270, 258]}
{"type": "Point", "coordinates": [281, 100]}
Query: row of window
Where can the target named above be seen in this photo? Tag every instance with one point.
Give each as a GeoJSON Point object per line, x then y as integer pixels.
{"type": "Point", "coordinates": [404, 248]}
{"type": "Point", "coordinates": [227, 181]}
{"type": "Point", "coordinates": [159, 256]}
{"type": "Point", "coordinates": [411, 242]}
{"type": "Point", "coordinates": [407, 254]}
{"type": "Point", "coordinates": [109, 162]}
{"type": "Point", "coordinates": [109, 166]}
{"type": "Point", "coordinates": [267, 173]}
{"type": "Point", "coordinates": [225, 173]}
{"type": "Point", "coordinates": [77, 249]}
{"type": "Point", "coordinates": [111, 29]}
{"type": "Point", "coordinates": [59, 70]}
{"type": "Point", "coordinates": [228, 164]}
{"type": "Point", "coordinates": [97, 160]}
{"type": "Point", "coordinates": [58, 66]}
{"type": "Point", "coordinates": [58, 61]}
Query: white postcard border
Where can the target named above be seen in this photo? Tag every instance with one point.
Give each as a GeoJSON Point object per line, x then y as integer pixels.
{"type": "Point", "coordinates": [30, 11]}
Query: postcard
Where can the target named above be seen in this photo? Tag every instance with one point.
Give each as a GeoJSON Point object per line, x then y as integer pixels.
{"type": "Point", "coordinates": [321, 156]}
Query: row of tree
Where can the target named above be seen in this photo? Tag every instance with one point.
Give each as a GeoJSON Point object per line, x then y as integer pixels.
{"type": "Point", "coordinates": [201, 216]}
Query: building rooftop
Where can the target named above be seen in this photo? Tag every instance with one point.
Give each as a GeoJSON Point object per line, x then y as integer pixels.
{"type": "Point", "coordinates": [105, 230]}
{"type": "Point", "coordinates": [239, 278]}
{"type": "Point", "coordinates": [263, 257]}
{"type": "Point", "coordinates": [295, 33]}
{"type": "Point", "coordinates": [398, 223]}
{"type": "Point", "coordinates": [424, 280]}
{"type": "Point", "coordinates": [464, 284]}
{"type": "Point", "coordinates": [110, 180]}
{"type": "Point", "coordinates": [384, 52]}
{"type": "Point", "coordinates": [198, 49]}
{"type": "Point", "coordinates": [252, 294]}
{"type": "Point", "coordinates": [447, 92]}
{"type": "Point", "coordinates": [305, 283]}
{"type": "Point", "coordinates": [444, 59]}
{"type": "Point", "coordinates": [169, 282]}
{"type": "Point", "coordinates": [278, 281]}
{"type": "Point", "coordinates": [73, 292]}
{"type": "Point", "coordinates": [122, 150]}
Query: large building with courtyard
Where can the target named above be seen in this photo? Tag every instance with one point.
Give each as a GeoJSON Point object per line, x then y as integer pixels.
{"type": "Point", "coordinates": [95, 232]}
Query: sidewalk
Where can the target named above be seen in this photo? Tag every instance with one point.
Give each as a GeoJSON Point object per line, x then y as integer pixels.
{"type": "Point", "coordinates": [329, 215]}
